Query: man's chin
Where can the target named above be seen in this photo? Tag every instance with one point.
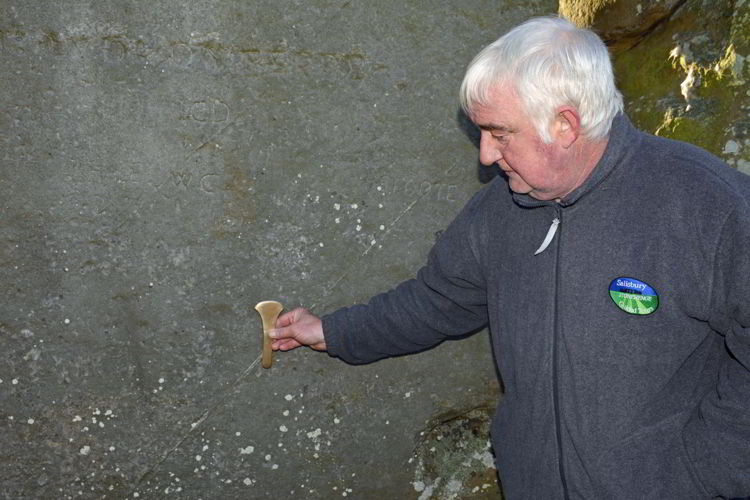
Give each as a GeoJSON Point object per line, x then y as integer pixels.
{"type": "Point", "coordinates": [518, 187]}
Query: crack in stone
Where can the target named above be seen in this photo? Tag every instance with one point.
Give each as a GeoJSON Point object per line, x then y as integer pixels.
{"type": "Point", "coordinates": [196, 425]}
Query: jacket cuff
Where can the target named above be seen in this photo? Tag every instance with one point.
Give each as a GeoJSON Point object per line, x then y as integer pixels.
{"type": "Point", "coordinates": [331, 336]}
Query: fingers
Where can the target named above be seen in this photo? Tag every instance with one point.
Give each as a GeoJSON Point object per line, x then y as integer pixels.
{"type": "Point", "coordinates": [297, 328]}
{"type": "Point", "coordinates": [286, 332]}
{"type": "Point", "coordinates": [287, 318]}
{"type": "Point", "coordinates": [285, 345]}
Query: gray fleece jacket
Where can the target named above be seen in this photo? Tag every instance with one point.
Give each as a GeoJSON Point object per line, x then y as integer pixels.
{"type": "Point", "coordinates": [624, 346]}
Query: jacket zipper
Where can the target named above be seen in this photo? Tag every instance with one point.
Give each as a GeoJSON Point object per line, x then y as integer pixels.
{"type": "Point", "coordinates": [550, 234]}
{"type": "Point", "coordinates": [555, 356]}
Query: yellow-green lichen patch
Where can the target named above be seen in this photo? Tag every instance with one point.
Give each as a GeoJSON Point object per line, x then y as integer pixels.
{"type": "Point", "coordinates": [686, 80]}
{"type": "Point", "coordinates": [582, 13]}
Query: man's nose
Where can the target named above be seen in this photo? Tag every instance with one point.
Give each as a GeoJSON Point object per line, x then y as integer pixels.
{"type": "Point", "coordinates": [488, 151]}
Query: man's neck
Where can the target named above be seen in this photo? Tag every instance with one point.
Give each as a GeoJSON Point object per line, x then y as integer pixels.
{"type": "Point", "coordinates": [586, 157]}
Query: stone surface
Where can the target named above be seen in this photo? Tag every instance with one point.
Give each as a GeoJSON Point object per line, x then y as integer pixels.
{"type": "Point", "coordinates": [620, 23]}
{"type": "Point", "coordinates": [687, 78]}
{"type": "Point", "coordinates": [164, 166]}
{"type": "Point", "coordinates": [454, 457]}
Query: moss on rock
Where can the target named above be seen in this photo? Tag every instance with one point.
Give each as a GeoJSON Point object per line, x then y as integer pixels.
{"type": "Point", "coordinates": [688, 78]}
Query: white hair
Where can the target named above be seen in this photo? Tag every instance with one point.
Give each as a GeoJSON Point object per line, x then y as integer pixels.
{"type": "Point", "coordinates": [550, 63]}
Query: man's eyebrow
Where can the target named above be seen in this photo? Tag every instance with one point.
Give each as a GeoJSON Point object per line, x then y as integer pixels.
{"type": "Point", "coordinates": [494, 127]}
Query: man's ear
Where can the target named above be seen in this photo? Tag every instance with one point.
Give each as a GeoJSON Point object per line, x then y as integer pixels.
{"type": "Point", "coordinates": [567, 125]}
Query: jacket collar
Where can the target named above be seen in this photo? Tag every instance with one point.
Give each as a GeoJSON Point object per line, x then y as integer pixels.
{"type": "Point", "coordinates": [622, 140]}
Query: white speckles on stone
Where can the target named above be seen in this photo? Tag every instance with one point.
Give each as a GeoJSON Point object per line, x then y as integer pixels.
{"type": "Point", "coordinates": [337, 220]}
{"type": "Point", "coordinates": [112, 448]}
{"type": "Point", "coordinates": [26, 333]}
{"type": "Point", "coordinates": [315, 434]}
{"type": "Point", "coordinates": [33, 355]}
{"type": "Point", "coordinates": [288, 397]}
{"type": "Point", "coordinates": [453, 487]}
{"type": "Point", "coordinates": [407, 394]}
{"type": "Point", "coordinates": [358, 228]}
{"type": "Point", "coordinates": [285, 413]}
{"type": "Point", "coordinates": [354, 206]}
{"type": "Point", "coordinates": [161, 380]}
{"type": "Point", "coordinates": [85, 450]}
{"type": "Point", "coordinates": [486, 458]}
{"type": "Point", "coordinates": [247, 450]}
{"type": "Point", "coordinates": [267, 458]}
{"type": "Point", "coordinates": [427, 493]}
{"type": "Point", "coordinates": [30, 421]}
{"type": "Point", "coordinates": [337, 206]}
{"type": "Point", "coordinates": [382, 227]}
{"type": "Point", "coordinates": [14, 381]}
{"type": "Point", "coordinates": [198, 458]}
{"type": "Point", "coordinates": [248, 482]}
{"type": "Point", "coordinates": [77, 418]}
{"type": "Point", "coordinates": [336, 420]}
{"type": "Point", "coordinates": [283, 428]}
{"type": "Point", "coordinates": [66, 321]}
{"type": "Point", "coordinates": [731, 147]}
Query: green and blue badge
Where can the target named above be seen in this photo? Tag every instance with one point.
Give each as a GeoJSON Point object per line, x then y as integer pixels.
{"type": "Point", "coordinates": [633, 296]}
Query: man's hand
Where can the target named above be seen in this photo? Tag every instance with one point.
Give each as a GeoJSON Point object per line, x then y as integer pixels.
{"type": "Point", "coordinates": [297, 328]}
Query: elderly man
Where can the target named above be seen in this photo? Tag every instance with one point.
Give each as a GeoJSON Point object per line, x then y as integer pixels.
{"type": "Point", "coordinates": [613, 270]}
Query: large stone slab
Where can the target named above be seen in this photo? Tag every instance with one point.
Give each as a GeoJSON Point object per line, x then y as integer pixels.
{"type": "Point", "coordinates": [166, 165]}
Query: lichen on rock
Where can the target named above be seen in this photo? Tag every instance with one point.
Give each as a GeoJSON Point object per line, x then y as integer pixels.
{"type": "Point", "coordinates": [454, 458]}
{"type": "Point", "coordinates": [685, 77]}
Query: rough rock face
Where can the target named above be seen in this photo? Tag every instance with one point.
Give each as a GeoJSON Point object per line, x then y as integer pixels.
{"type": "Point", "coordinates": [686, 78]}
{"type": "Point", "coordinates": [622, 23]}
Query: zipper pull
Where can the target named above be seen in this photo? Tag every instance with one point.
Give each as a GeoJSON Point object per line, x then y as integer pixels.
{"type": "Point", "coordinates": [550, 234]}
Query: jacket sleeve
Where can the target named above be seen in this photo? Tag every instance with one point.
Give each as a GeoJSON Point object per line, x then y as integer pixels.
{"type": "Point", "coordinates": [447, 298]}
{"type": "Point", "coordinates": [717, 436]}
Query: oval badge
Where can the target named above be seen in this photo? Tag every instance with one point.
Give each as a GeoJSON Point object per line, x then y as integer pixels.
{"type": "Point", "coordinates": [633, 296]}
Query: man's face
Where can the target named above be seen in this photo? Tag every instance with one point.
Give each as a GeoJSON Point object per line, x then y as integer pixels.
{"type": "Point", "coordinates": [508, 138]}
